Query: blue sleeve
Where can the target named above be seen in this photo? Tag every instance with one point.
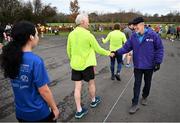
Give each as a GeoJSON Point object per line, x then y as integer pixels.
{"type": "Point", "coordinates": [40, 76]}
{"type": "Point", "coordinates": [127, 47]}
{"type": "Point", "coordinates": [159, 50]}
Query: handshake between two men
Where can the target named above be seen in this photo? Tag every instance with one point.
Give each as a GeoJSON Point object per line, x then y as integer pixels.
{"type": "Point", "coordinates": [156, 66]}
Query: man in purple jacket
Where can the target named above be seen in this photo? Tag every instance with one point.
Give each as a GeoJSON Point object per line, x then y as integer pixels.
{"type": "Point", "coordinates": [148, 54]}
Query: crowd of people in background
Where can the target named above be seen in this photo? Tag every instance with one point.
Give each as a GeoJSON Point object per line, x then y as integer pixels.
{"type": "Point", "coordinates": [49, 29]}
{"type": "Point", "coordinates": [5, 34]}
{"type": "Point", "coordinates": [173, 32]}
{"type": "Point", "coordinates": [168, 31]}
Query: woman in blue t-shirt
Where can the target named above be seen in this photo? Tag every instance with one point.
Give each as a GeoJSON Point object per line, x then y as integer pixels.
{"type": "Point", "coordinates": [29, 79]}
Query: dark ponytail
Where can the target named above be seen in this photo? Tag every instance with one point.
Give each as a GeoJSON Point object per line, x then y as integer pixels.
{"type": "Point", "coordinates": [11, 57]}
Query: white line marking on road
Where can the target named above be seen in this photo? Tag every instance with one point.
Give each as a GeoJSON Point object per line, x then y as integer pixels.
{"type": "Point", "coordinates": [118, 99]}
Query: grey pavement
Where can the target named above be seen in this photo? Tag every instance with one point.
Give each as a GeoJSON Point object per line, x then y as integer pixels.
{"type": "Point", "coordinates": [163, 102]}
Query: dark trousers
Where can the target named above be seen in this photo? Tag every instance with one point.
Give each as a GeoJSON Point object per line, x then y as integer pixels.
{"type": "Point", "coordinates": [49, 118]}
{"type": "Point", "coordinates": [138, 74]}
{"type": "Point", "coordinates": [119, 63]}
{"type": "Point", "coordinates": [1, 39]}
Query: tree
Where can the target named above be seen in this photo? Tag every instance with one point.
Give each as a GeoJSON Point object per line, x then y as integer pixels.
{"type": "Point", "coordinates": [93, 17]}
{"type": "Point", "coordinates": [60, 17]}
{"type": "Point", "coordinates": [27, 11]}
{"type": "Point", "coordinates": [74, 9]}
{"type": "Point", "coordinates": [37, 7]}
{"type": "Point", "coordinates": [48, 12]}
{"type": "Point", "coordinates": [156, 15]}
{"type": "Point", "coordinates": [16, 10]}
{"type": "Point", "coordinates": [9, 10]}
{"type": "Point", "coordinates": [42, 13]}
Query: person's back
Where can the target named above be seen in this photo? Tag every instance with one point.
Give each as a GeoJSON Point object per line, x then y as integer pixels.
{"type": "Point", "coordinates": [81, 49]}
{"type": "Point", "coordinates": [29, 102]}
{"type": "Point", "coordinates": [29, 79]}
{"type": "Point", "coordinates": [117, 40]}
{"type": "Point", "coordinates": [80, 42]}
{"type": "Point", "coordinates": [128, 32]}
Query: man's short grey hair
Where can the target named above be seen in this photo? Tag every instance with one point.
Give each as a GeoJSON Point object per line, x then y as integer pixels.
{"type": "Point", "coordinates": [80, 17]}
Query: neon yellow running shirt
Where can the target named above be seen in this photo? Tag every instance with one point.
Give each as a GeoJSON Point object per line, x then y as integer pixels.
{"type": "Point", "coordinates": [81, 48]}
{"type": "Point", "coordinates": [116, 38]}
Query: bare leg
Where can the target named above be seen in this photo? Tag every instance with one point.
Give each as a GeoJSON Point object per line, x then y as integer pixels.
{"type": "Point", "coordinates": [77, 95]}
{"type": "Point", "coordinates": [92, 89]}
{"type": "Point", "coordinates": [129, 58]}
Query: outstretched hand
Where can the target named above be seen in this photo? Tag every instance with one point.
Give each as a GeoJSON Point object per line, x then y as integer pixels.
{"type": "Point", "coordinates": [112, 54]}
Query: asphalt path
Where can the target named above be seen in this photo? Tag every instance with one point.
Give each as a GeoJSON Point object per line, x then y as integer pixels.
{"type": "Point", "coordinates": [163, 102]}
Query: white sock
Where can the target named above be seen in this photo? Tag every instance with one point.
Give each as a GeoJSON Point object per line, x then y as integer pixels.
{"type": "Point", "coordinates": [80, 109]}
{"type": "Point", "coordinates": [94, 99]}
{"type": "Point", "coordinates": [124, 56]}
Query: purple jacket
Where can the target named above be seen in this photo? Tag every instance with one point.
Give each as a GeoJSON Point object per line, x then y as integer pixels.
{"type": "Point", "coordinates": [145, 54]}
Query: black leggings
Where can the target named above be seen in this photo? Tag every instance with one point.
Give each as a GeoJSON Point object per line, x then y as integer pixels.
{"type": "Point", "coordinates": [49, 118]}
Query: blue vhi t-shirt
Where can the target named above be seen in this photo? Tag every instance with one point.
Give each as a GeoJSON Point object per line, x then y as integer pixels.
{"type": "Point", "coordinates": [140, 37]}
{"type": "Point", "coordinates": [30, 105]}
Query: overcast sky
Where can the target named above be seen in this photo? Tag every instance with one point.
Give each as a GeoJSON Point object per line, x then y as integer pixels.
{"type": "Point", "coordinates": [161, 7]}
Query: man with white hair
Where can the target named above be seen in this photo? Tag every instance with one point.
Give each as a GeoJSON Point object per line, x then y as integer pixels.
{"type": "Point", "coordinates": [81, 48]}
{"type": "Point", "coordinates": [148, 52]}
